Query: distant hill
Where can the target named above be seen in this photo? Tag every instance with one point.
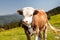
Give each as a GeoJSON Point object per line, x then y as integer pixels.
{"type": "Point", "coordinates": [10, 18]}
{"type": "Point", "coordinates": [53, 11]}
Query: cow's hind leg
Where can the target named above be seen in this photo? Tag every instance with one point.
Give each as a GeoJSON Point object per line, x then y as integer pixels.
{"type": "Point", "coordinates": [40, 36]}
{"type": "Point", "coordinates": [45, 34]}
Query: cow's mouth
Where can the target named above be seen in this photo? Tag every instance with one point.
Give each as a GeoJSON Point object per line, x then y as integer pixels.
{"type": "Point", "coordinates": [24, 23]}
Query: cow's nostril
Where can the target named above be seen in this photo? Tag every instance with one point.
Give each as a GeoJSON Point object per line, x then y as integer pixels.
{"type": "Point", "coordinates": [26, 21]}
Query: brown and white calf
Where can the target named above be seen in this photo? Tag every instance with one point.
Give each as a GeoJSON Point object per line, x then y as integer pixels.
{"type": "Point", "coordinates": [34, 22]}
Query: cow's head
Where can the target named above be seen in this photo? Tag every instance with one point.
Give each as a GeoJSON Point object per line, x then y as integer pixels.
{"type": "Point", "coordinates": [27, 12]}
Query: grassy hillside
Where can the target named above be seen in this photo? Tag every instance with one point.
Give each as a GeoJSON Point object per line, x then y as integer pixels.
{"type": "Point", "coordinates": [18, 33]}
{"type": "Point", "coordinates": [55, 20]}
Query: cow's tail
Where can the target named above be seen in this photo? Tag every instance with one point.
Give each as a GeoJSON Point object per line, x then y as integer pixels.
{"type": "Point", "coordinates": [53, 28]}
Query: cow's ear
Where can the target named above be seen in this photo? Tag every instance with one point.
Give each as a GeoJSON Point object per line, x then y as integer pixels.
{"type": "Point", "coordinates": [35, 12]}
{"type": "Point", "coordinates": [20, 12]}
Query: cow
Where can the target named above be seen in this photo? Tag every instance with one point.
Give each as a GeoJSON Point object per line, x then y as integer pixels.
{"type": "Point", "coordinates": [34, 21]}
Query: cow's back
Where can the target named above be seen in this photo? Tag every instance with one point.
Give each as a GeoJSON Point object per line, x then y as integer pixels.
{"type": "Point", "coordinates": [39, 19]}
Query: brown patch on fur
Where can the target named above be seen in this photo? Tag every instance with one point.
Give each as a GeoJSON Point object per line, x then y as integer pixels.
{"type": "Point", "coordinates": [39, 19]}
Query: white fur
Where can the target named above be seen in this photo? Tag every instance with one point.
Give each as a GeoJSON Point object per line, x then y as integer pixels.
{"type": "Point", "coordinates": [36, 37]}
{"type": "Point", "coordinates": [29, 19]}
{"type": "Point", "coordinates": [28, 14]}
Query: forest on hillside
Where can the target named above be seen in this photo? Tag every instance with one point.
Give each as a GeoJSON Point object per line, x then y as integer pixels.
{"type": "Point", "coordinates": [53, 12]}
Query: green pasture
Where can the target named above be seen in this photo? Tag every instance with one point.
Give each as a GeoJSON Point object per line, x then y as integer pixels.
{"type": "Point", "coordinates": [18, 33]}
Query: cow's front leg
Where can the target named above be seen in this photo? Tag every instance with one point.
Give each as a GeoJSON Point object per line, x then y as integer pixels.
{"type": "Point", "coordinates": [28, 35]}
{"type": "Point", "coordinates": [45, 34]}
{"type": "Point", "coordinates": [36, 34]}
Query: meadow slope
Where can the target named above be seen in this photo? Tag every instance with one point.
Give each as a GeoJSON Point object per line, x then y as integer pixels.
{"type": "Point", "coordinates": [18, 33]}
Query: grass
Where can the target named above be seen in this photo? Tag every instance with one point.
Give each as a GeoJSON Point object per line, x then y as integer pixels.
{"type": "Point", "coordinates": [55, 20]}
{"type": "Point", "coordinates": [18, 33]}
{"type": "Point", "coordinates": [12, 34]}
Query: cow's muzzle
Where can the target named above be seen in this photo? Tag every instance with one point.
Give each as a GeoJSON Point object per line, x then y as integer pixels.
{"type": "Point", "coordinates": [25, 23]}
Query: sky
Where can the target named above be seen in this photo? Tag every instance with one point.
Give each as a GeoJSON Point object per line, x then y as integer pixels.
{"type": "Point", "coordinates": [11, 6]}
